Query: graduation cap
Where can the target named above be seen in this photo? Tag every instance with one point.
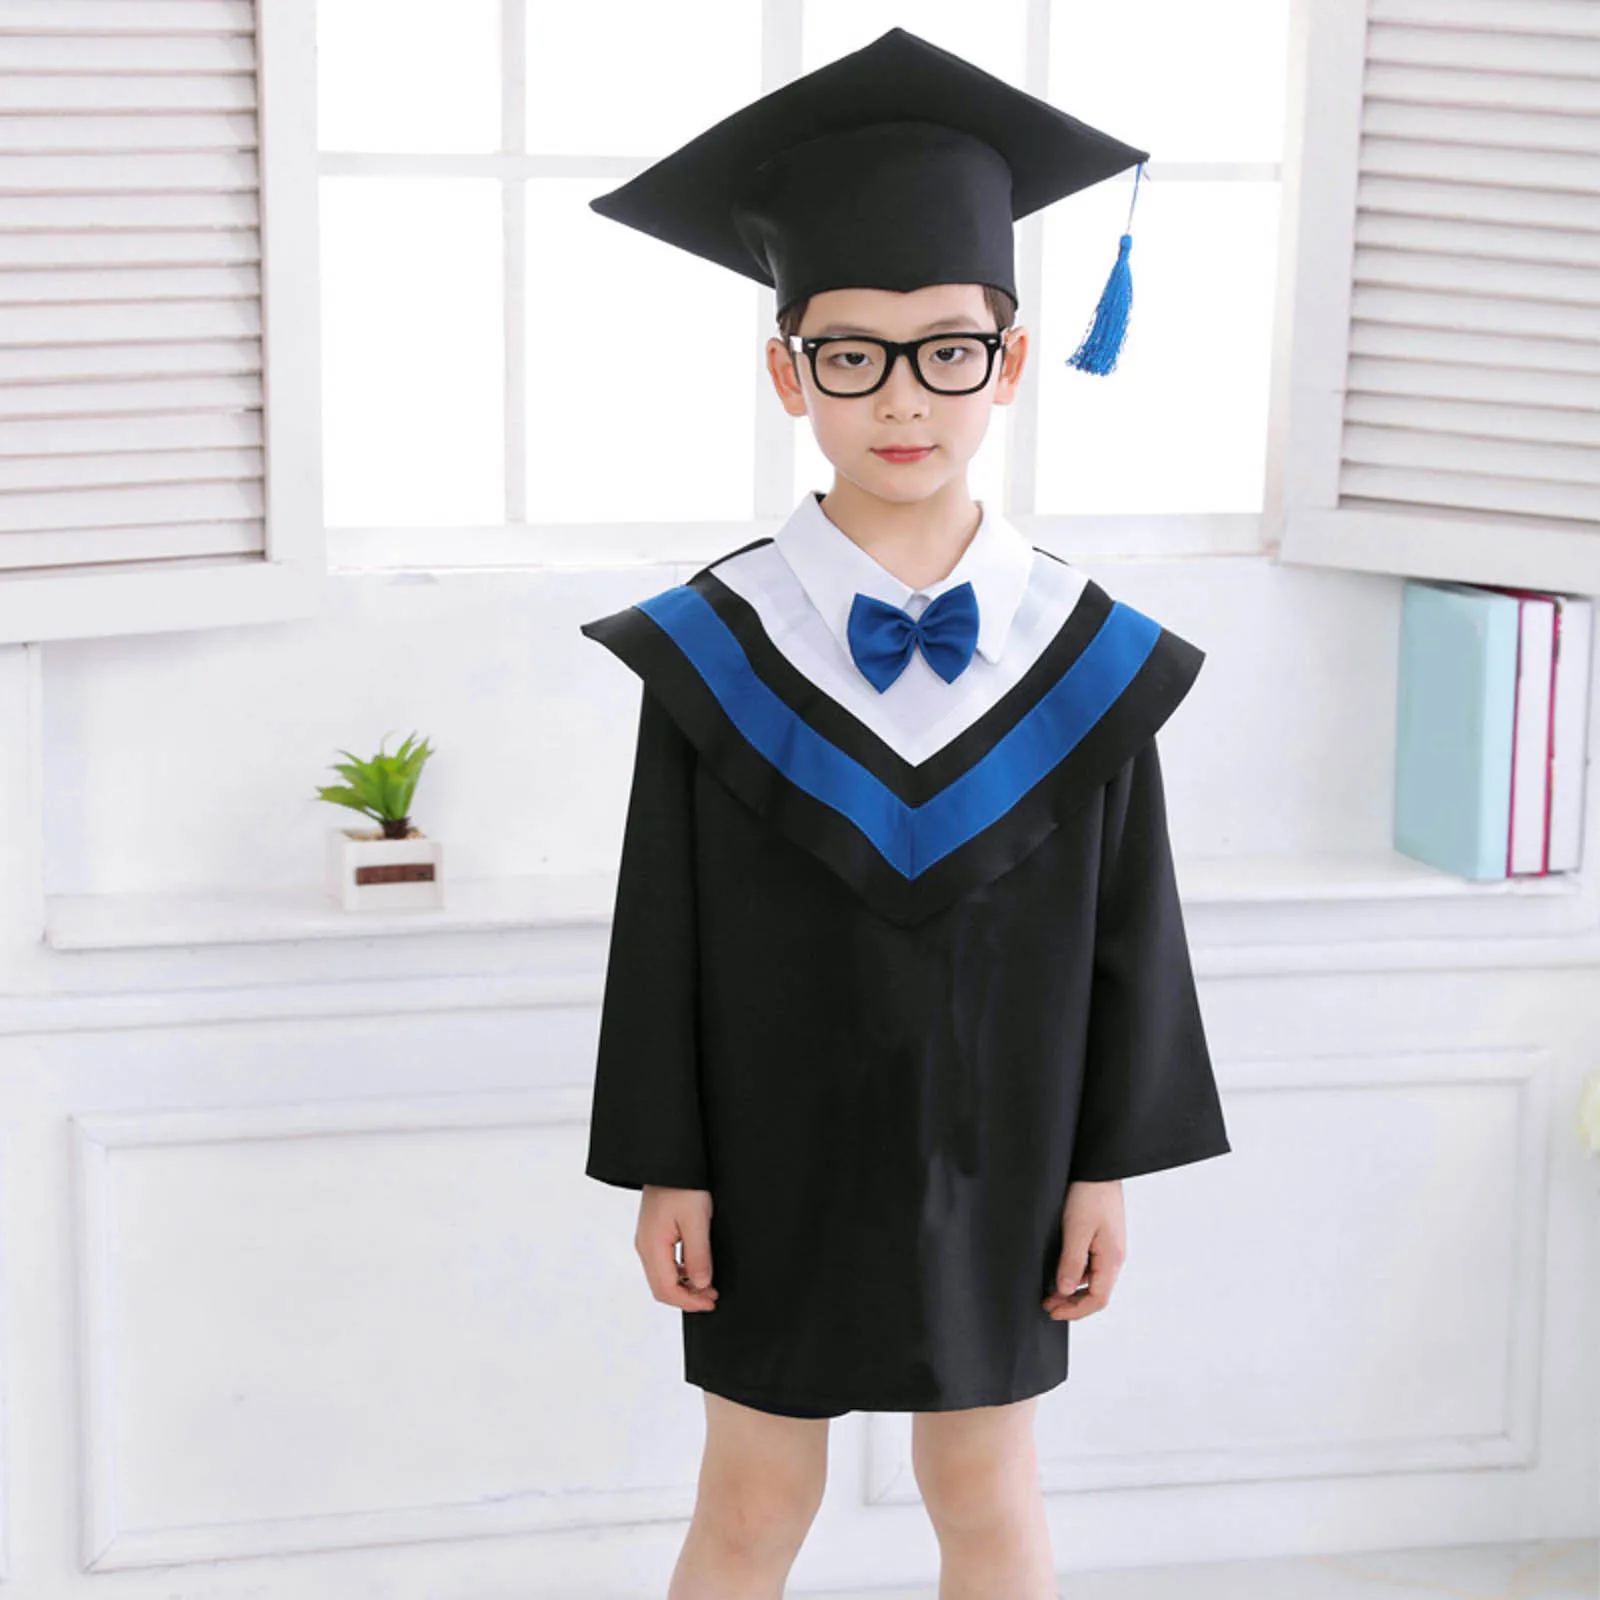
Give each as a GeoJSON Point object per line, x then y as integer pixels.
{"type": "Point", "coordinates": [896, 166]}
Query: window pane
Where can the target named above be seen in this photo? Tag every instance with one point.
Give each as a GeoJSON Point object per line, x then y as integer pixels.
{"type": "Point", "coordinates": [1180, 425]}
{"type": "Point", "coordinates": [1186, 82]}
{"type": "Point", "coordinates": [636, 77]}
{"type": "Point", "coordinates": [412, 75]}
{"type": "Point", "coordinates": [642, 369]}
{"type": "Point", "coordinates": [412, 341]}
{"type": "Point", "coordinates": [989, 36]}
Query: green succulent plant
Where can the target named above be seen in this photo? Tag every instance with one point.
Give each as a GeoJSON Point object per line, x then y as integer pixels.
{"type": "Point", "coordinates": [382, 787]}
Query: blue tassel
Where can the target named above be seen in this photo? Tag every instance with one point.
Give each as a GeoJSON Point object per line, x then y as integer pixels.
{"type": "Point", "coordinates": [1102, 344]}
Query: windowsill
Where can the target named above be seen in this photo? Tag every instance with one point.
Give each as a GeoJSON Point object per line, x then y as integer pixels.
{"type": "Point", "coordinates": [487, 905]}
{"type": "Point", "coordinates": [1380, 875]}
{"type": "Point", "coordinates": [274, 916]}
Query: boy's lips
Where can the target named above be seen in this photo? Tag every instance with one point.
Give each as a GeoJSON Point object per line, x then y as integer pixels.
{"type": "Point", "coordinates": [901, 451]}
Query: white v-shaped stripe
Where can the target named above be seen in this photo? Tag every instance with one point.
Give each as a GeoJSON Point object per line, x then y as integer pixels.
{"type": "Point", "coordinates": [919, 713]}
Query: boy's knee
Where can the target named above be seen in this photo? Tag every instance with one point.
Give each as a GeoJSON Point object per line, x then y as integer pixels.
{"type": "Point", "coordinates": [762, 1514]}
{"type": "Point", "coordinates": [971, 1493]}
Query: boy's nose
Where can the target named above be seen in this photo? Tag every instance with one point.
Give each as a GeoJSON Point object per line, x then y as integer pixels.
{"type": "Point", "coordinates": [902, 386]}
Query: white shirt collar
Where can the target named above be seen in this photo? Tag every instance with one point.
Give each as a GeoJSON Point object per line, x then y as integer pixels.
{"type": "Point", "coordinates": [833, 568]}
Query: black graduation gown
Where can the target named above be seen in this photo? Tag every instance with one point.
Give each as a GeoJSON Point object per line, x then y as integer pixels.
{"type": "Point", "coordinates": [886, 1012]}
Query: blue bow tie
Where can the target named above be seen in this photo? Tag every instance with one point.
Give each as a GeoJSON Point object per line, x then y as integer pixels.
{"type": "Point", "coordinates": [882, 636]}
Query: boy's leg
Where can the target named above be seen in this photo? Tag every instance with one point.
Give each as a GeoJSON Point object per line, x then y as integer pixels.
{"type": "Point", "coordinates": [761, 1482]}
{"type": "Point", "coordinates": [979, 1476]}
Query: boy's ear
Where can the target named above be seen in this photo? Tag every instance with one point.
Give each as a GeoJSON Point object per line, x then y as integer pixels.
{"type": "Point", "coordinates": [781, 363]}
{"type": "Point", "coordinates": [1011, 369]}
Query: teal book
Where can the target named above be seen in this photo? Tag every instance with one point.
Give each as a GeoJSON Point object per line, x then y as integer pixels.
{"type": "Point", "coordinates": [1454, 727]}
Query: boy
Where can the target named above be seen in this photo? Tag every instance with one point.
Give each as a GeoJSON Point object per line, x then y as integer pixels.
{"type": "Point", "coordinates": [898, 988]}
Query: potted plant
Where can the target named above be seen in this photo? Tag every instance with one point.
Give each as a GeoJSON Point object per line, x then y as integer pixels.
{"type": "Point", "coordinates": [393, 866]}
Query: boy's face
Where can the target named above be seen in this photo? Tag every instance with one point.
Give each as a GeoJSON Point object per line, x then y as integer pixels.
{"type": "Point", "coordinates": [849, 429]}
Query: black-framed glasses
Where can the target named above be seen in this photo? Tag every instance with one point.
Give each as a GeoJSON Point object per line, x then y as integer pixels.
{"type": "Point", "coordinates": [857, 364]}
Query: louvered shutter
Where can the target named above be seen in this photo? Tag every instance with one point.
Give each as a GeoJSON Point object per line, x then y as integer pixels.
{"type": "Point", "coordinates": [1453, 429]}
{"type": "Point", "coordinates": [133, 435]}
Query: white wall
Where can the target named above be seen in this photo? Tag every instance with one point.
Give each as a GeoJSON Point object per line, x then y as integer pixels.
{"type": "Point", "coordinates": [190, 760]}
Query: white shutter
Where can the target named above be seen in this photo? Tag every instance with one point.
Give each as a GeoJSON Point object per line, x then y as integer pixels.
{"type": "Point", "coordinates": [134, 450]}
{"type": "Point", "coordinates": [1452, 428]}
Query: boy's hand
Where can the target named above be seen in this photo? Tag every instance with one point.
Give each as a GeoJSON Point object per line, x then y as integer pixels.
{"type": "Point", "coordinates": [1093, 1236]}
{"type": "Point", "coordinates": [666, 1216]}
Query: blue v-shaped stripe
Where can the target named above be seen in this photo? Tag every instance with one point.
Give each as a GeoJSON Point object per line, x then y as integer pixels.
{"type": "Point", "coordinates": [910, 838]}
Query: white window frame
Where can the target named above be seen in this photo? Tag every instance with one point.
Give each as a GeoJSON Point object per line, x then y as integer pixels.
{"type": "Point", "coordinates": [1304, 515]}
{"type": "Point", "coordinates": [520, 544]}
{"type": "Point", "coordinates": [287, 580]}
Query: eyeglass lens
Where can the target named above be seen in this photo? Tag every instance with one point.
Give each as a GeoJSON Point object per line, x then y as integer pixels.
{"type": "Point", "coordinates": [852, 366]}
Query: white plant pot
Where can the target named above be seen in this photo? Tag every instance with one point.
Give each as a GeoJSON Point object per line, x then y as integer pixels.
{"type": "Point", "coordinates": [367, 872]}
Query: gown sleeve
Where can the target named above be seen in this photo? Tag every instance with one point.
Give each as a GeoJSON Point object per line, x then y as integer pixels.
{"type": "Point", "coordinates": [1149, 1098]}
{"type": "Point", "coordinates": [645, 1124]}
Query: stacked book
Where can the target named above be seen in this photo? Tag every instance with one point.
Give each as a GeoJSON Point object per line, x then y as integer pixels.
{"type": "Point", "coordinates": [1492, 728]}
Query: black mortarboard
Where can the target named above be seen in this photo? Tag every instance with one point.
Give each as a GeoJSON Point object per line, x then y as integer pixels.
{"type": "Point", "coordinates": [896, 166]}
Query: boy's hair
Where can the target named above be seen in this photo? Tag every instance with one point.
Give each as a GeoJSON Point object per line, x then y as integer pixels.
{"type": "Point", "coordinates": [1001, 307]}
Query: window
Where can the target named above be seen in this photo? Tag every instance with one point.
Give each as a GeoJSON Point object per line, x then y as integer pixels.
{"type": "Point", "coordinates": [493, 382]}
{"type": "Point", "coordinates": [1180, 428]}
{"type": "Point", "coordinates": [492, 385]}
{"type": "Point", "coordinates": [156, 471]}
